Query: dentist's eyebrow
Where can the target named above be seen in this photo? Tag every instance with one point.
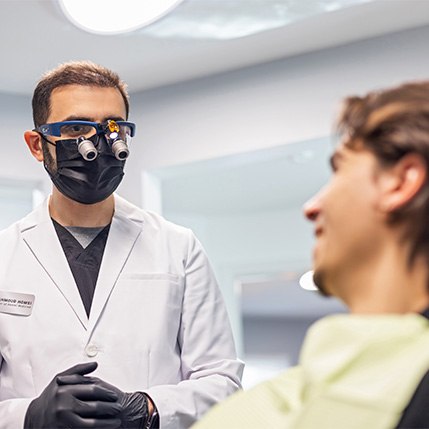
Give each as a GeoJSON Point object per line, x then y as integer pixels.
{"type": "Point", "coordinates": [85, 118]}
{"type": "Point", "coordinates": [78, 118]}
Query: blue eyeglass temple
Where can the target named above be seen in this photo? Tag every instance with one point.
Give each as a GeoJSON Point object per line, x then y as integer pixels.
{"type": "Point", "coordinates": [54, 129]}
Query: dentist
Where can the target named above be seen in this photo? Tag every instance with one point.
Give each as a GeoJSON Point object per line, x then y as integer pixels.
{"type": "Point", "coordinates": [110, 316]}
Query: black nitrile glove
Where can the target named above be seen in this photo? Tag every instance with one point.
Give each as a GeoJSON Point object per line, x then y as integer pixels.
{"type": "Point", "coordinates": [82, 404]}
{"type": "Point", "coordinates": [134, 407]}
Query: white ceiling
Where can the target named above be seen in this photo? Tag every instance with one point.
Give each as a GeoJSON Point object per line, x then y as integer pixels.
{"type": "Point", "coordinates": [36, 37]}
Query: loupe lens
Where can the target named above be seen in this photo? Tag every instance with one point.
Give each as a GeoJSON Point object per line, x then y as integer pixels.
{"type": "Point", "coordinates": [120, 150]}
{"type": "Point", "coordinates": [87, 149]}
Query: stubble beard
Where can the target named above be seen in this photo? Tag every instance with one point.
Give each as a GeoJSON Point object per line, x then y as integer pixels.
{"type": "Point", "coordinates": [48, 159]}
{"type": "Point", "coordinates": [319, 281]}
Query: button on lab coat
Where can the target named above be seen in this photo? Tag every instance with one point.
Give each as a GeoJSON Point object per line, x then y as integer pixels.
{"type": "Point", "coordinates": [158, 323]}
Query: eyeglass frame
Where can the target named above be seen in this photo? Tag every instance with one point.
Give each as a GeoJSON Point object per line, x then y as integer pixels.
{"type": "Point", "coordinates": [54, 128]}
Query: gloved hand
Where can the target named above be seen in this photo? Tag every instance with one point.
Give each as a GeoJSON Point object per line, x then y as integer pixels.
{"type": "Point", "coordinates": [134, 412]}
{"type": "Point", "coordinates": [82, 404]}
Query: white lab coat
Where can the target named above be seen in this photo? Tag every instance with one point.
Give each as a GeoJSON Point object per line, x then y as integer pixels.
{"type": "Point", "coordinates": [158, 323]}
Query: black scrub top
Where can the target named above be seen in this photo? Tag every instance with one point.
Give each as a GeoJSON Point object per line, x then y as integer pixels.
{"type": "Point", "coordinates": [416, 414]}
{"type": "Point", "coordinates": [84, 262]}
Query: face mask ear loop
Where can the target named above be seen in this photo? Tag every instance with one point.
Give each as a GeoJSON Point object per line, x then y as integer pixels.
{"type": "Point", "coordinates": [49, 142]}
{"type": "Point", "coordinates": [45, 139]}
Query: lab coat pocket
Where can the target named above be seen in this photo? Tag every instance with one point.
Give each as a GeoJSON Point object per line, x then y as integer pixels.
{"type": "Point", "coordinates": [151, 291]}
{"type": "Point", "coordinates": [151, 276]}
{"type": "Point", "coordinates": [150, 305]}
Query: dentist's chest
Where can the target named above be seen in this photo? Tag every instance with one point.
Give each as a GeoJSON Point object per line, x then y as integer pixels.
{"type": "Point", "coordinates": [136, 309]}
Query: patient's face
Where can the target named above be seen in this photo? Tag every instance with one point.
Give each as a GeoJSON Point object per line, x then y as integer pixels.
{"type": "Point", "coordinates": [345, 217]}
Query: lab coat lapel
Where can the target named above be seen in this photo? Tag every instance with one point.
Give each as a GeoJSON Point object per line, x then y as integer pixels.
{"type": "Point", "coordinates": [39, 234]}
{"type": "Point", "coordinates": [124, 230]}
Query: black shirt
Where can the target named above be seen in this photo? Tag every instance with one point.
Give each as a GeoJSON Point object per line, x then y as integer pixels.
{"type": "Point", "coordinates": [416, 414]}
{"type": "Point", "coordinates": [84, 262]}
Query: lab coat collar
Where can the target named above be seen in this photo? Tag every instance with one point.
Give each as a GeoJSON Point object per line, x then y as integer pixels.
{"type": "Point", "coordinates": [39, 234]}
{"type": "Point", "coordinates": [125, 229]}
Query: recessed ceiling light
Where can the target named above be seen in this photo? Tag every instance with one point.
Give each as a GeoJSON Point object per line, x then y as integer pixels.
{"type": "Point", "coordinates": [306, 281]}
{"type": "Point", "coordinates": [113, 17]}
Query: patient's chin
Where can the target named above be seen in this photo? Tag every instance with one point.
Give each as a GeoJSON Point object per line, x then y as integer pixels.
{"type": "Point", "coordinates": [318, 279]}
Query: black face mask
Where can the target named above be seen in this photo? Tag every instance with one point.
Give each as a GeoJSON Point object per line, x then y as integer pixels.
{"type": "Point", "coordinates": [87, 182]}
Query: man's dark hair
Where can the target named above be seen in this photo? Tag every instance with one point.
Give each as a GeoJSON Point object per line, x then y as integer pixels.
{"type": "Point", "coordinates": [84, 73]}
{"type": "Point", "coordinates": [391, 124]}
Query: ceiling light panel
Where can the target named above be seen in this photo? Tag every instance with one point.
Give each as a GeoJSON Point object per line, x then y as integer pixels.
{"type": "Point", "coordinates": [113, 17]}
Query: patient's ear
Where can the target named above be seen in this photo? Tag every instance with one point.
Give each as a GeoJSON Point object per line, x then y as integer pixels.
{"type": "Point", "coordinates": [34, 143]}
{"type": "Point", "coordinates": [400, 183]}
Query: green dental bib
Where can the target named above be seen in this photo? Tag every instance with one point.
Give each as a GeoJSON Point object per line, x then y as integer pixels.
{"type": "Point", "coordinates": [355, 372]}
